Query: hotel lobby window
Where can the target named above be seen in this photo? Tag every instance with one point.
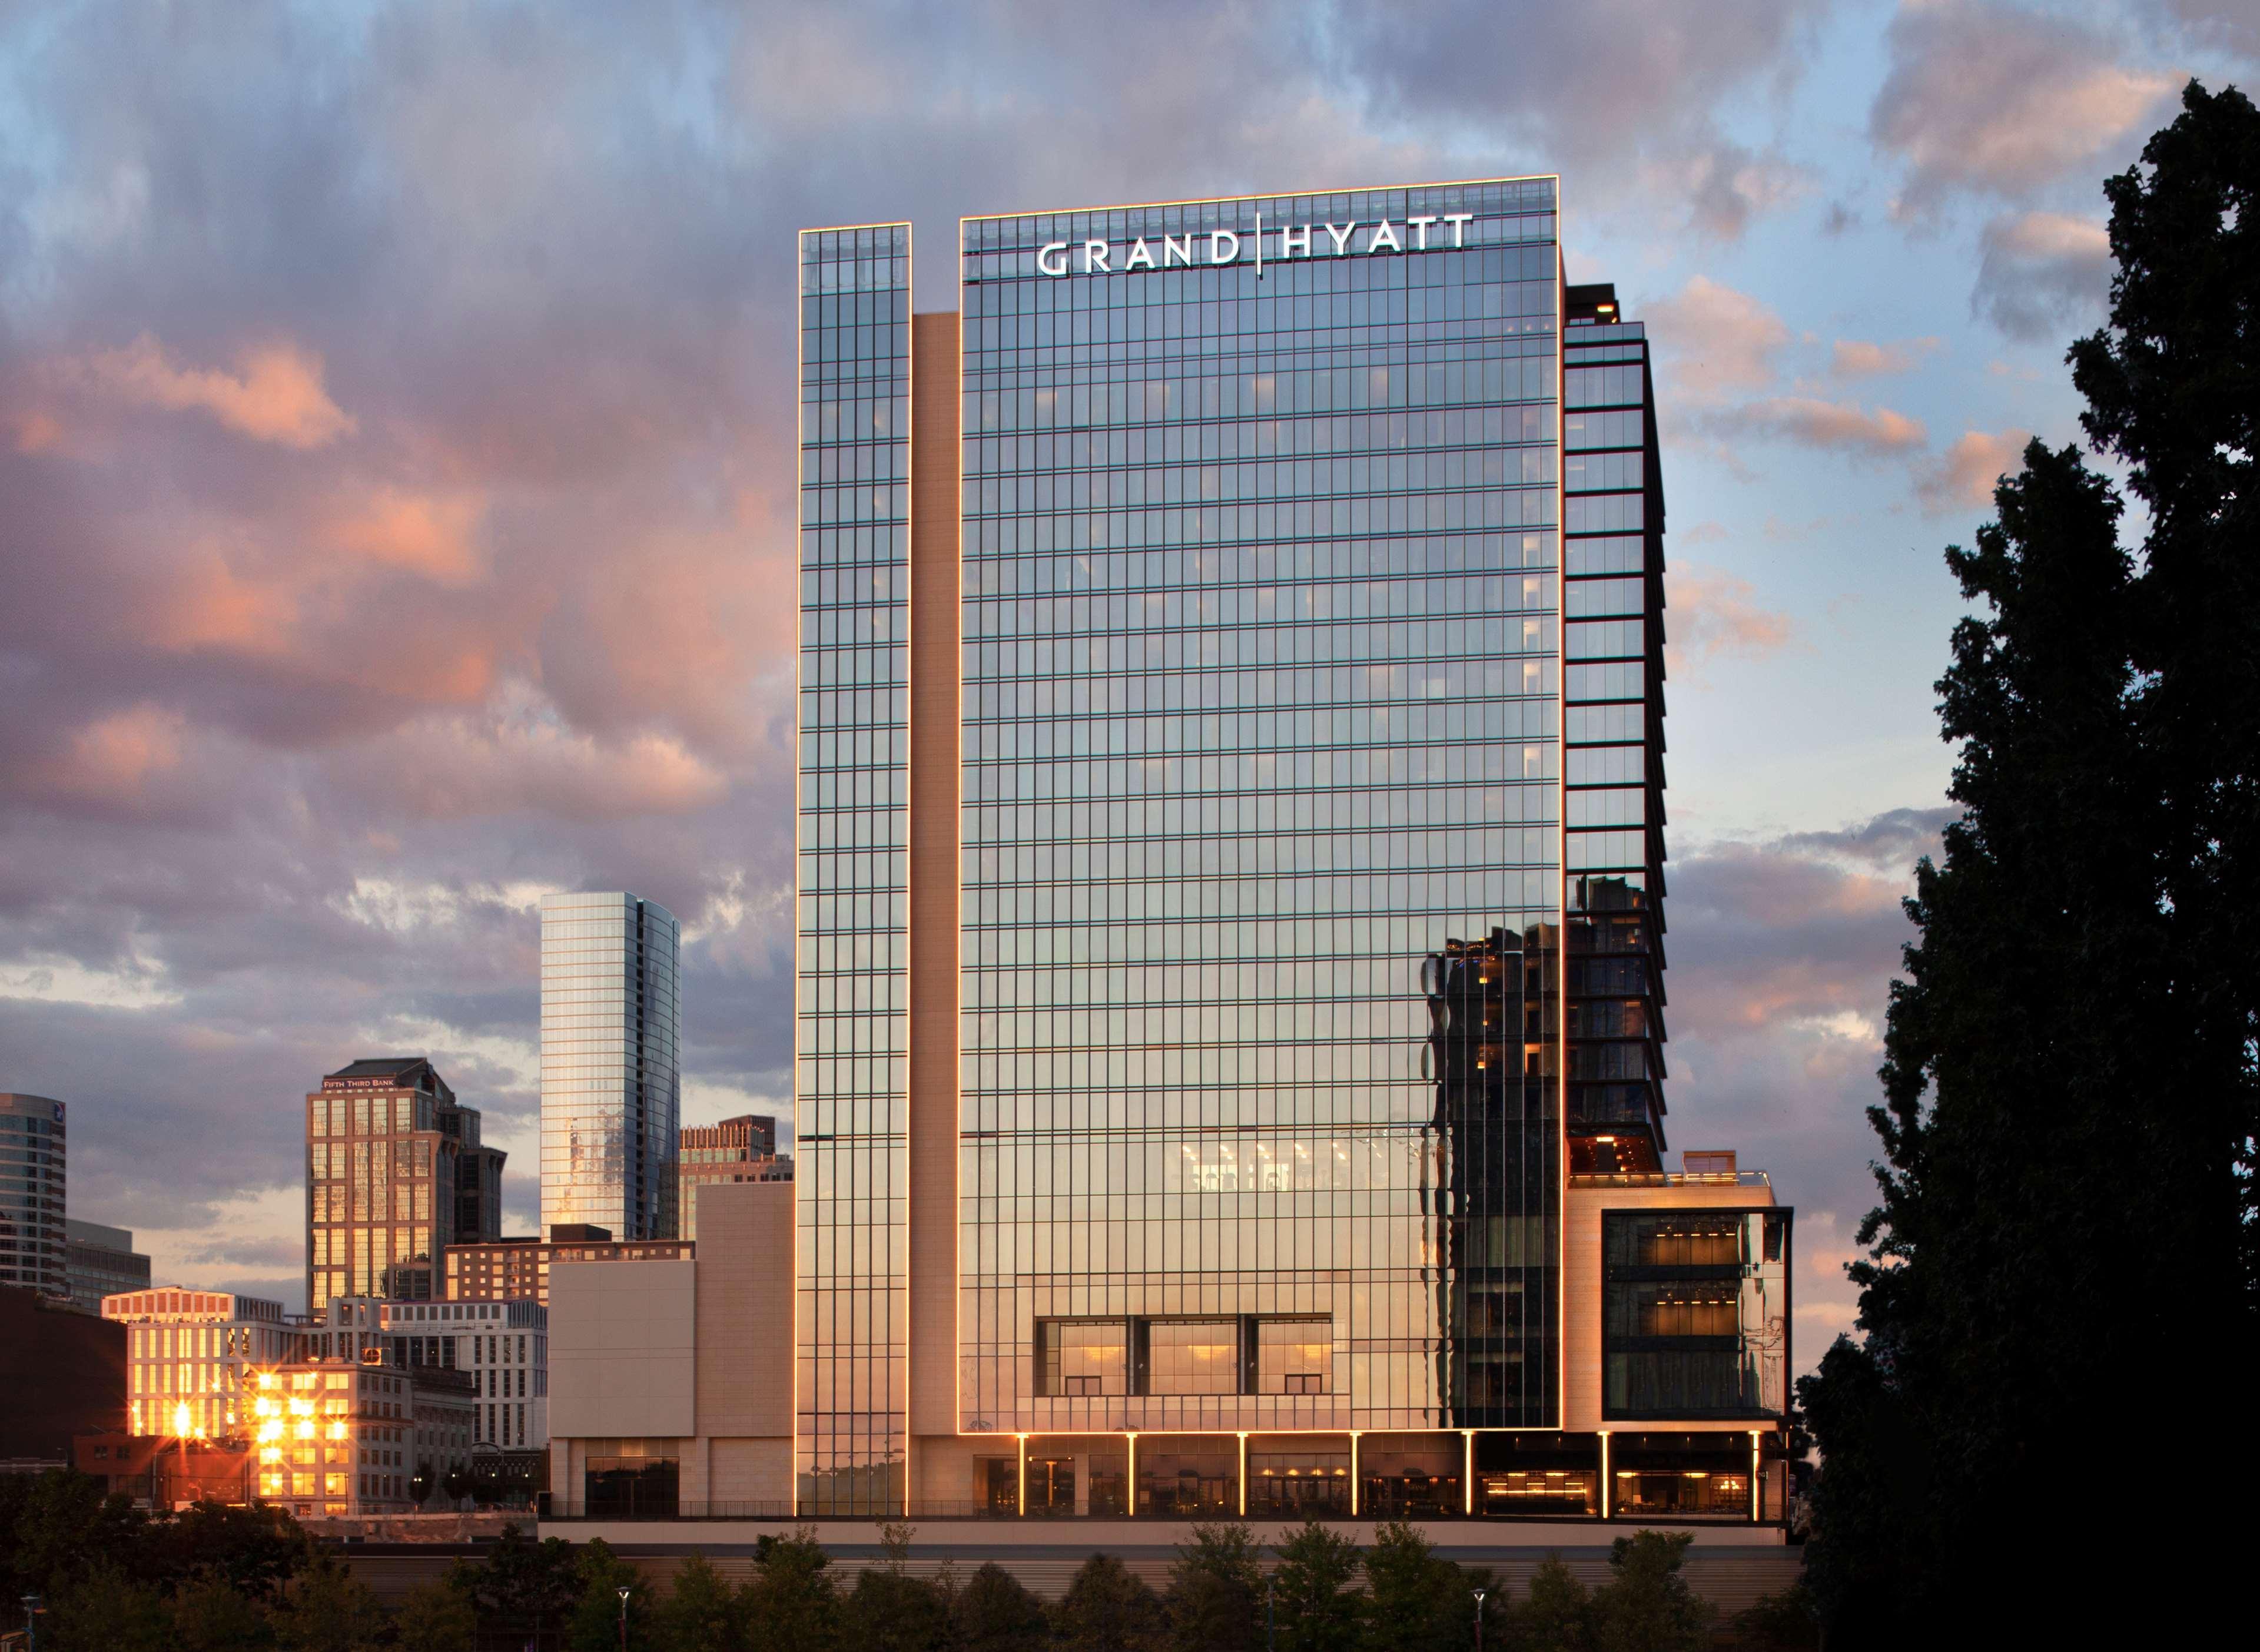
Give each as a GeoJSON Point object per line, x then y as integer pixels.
{"type": "Point", "coordinates": [1294, 1356]}
{"type": "Point", "coordinates": [1192, 1356]}
{"type": "Point", "coordinates": [1087, 1357]}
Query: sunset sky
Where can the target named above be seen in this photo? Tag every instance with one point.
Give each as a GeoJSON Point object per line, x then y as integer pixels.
{"type": "Point", "coordinates": [396, 488]}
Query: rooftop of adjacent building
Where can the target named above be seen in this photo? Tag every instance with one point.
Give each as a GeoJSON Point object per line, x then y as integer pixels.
{"type": "Point", "coordinates": [391, 1072]}
{"type": "Point", "coordinates": [186, 1303]}
{"type": "Point", "coordinates": [80, 1233]}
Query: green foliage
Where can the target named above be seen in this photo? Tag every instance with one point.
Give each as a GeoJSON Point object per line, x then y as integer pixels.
{"type": "Point", "coordinates": [1315, 1608]}
{"type": "Point", "coordinates": [436, 1617]}
{"type": "Point", "coordinates": [1417, 1603]}
{"type": "Point", "coordinates": [55, 1525]}
{"type": "Point", "coordinates": [994, 1613]}
{"type": "Point", "coordinates": [213, 1614]}
{"type": "Point", "coordinates": [327, 1609]}
{"type": "Point", "coordinates": [2069, 1081]}
{"type": "Point", "coordinates": [522, 1589]}
{"type": "Point", "coordinates": [254, 1549]}
{"type": "Point", "coordinates": [101, 1608]}
{"type": "Point", "coordinates": [890, 1611]}
{"type": "Point", "coordinates": [1647, 1605]}
{"type": "Point", "coordinates": [1216, 1591]}
{"type": "Point", "coordinates": [594, 1623]}
{"type": "Point", "coordinates": [794, 1606]}
{"type": "Point", "coordinates": [1108, 1609]}
{"type": "Point", "coordinates": [703, 1614]}
{"type": "Point", "coordinates": [1785, 1622]}
{"type": "Point", "coordinates": [1556, 1615]}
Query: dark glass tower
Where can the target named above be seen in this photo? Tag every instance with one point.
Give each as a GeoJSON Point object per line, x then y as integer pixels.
{"type": "Point", "coordinates": [1613, 736]}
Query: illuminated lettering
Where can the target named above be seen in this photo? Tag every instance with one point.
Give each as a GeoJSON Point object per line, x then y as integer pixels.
{"type": "Point", "coordinates": [1095, 256]}
{"type": "Point", "coordinates": [1219, 251]}
{"type": "Point", "coordinates": [1340, 237]}
{"type": "Point", "coordinates": [1459, 221]}
{"type": "Point", "coordinates": [1141, 256]}
{"type": "Point", "coordinates": [1420, 231]}
{"type": "Point", "coordinates": [1051, 251]}
{"type": "Point", "coordinates": [1177, 249]}
{"type": "Point", "coordinates": [1383, 235]}
{"type": "Point", "coordinates": [1294, 242]}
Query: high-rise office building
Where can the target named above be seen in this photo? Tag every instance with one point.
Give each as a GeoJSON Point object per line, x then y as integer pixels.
{"type": "Point", "coordinates": [101, 1261]}
{"type": "Point", "coordinates": [611, 1098]}
{"type": "Point", "coordinates": [34, 1145]}
{"type": "Point", "coordinates": [740, 1149]}
{"type": "Point", "coordinates": [394, 1174]}
{"type": "Point", "coordinates": [1230, 844]}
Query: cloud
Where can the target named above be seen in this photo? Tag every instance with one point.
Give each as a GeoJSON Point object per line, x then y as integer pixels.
{"type": "Point", "coordinates": [1846, 426]}
{"type": "Point", "coordinates": [1966, 473]}
{"type": "Point", "coordinates": [1717, 340]}
{"type": "Point", "coordinates": [1714, 614]}
{"type": "Point", "coordinates": [277, 396]}
{"type": "Point", "coordinates": [1989, 99]}
{"type": "Point", "coordinates": [1856, 358]}
{"type": "Point", "coordinates": [2042, 273]}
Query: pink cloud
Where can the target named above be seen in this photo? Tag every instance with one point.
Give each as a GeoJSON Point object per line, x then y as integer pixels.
{"type": "Point", "coordinates": [1858, 358]}
{"type": "Point", "coordinates": [432, 534]}
{"type": "Point", "coordinates": [112, 760]}
{"type": "Point", "coordinates": [1714, 614]}
{"type": "Point", "coordinates": [277, 396]}
{"type": "Point", "coordinates": [1966, 473]}
{"type": "Point", "coordinates": [1720, 339]}
{"type": "Point", "coordinates": [1997, 100]}
{"type": "Point", "coordinates": [1845, 425]}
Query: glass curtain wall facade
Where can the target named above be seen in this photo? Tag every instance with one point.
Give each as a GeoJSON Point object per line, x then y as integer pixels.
{"type": "Point", "coordinates": [852, 1036]}
{"type": "Point", "coordinates": [611, 1094]}
{"type": "Point", "coordinates": [1612, 651]}
{"type": "Point", "coordinates": [33, 1159]}
{"type": "Point", "coordinates": [1261, 801]}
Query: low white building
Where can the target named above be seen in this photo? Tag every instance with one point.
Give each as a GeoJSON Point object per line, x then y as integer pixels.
{"type": "Point", "coordinates": [672, 1390]}
{"type": "Point", "coordinates": [502, 1347]}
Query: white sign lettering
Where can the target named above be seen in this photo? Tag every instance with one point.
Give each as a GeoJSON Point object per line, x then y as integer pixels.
{"type": "Point", "coordinates": [1280, 243]}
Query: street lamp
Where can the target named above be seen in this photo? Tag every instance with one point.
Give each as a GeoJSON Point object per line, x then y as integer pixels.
{"type": "Point", "coordinates": [32, 1607]}
{"type": "Point", "coordinates": [1479, 1595]}
{"type": "Point", "coordinates": [624, 1618]}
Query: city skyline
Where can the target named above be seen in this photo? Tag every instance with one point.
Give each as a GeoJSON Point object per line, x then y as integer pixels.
{"type": "Point", "coordinates": [331, 849]}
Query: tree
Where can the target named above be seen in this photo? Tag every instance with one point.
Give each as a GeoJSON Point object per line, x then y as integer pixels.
{"type": "Point", "coordinates": [2071, 1070]}
{"type": "Point", "coordinates": [521, 1588]}
{"type": "Point", "coordinates": [793, 1604]}
{"type": "Point", "coordinates": [1555, 1614]}
{"type": "Point", "coordinates": [994, 1613]}
{"type": "Point", "coordinates": [436, 1617]}
{"type": "Point", "coordinates": [57, 1525]}
{"type": "Point", "coordinates": [1415, 1601]}
{"type": "Point", "coordinates": [594, 1622]}
{"type": "Point", "coordinates": [210, 1615]}
{"type": "Point", "coordinates": [703, 1612]}
{"type": "Point", "coordinates": [1317, 1610]}
{"type": "Point", "coordinates": [101, 1608]}
{"type": "Point", "coordinates": [1646, 1605]}
{"type": "Point", "coordinates": [2172, 386]}
{"type": "Point", "coordinates": [1108, 1609]}
{"type": "Point", "coordinates": [255, 1550]}
{"type": "Point", "coordinates": [890, 1611]}
{"type": "Point", "coordinates": [1785, 1622]}
{"type": "Point", "coordinates": [1216, 1591]}
{"type": "Point", "coordinates": [327, 1609]}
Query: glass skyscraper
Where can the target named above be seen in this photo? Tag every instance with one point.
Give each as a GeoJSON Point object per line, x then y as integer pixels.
{"type": "Point", "coordinates": [610, 1095]}
{"type": "Point", "coordinates": [1229, 846]}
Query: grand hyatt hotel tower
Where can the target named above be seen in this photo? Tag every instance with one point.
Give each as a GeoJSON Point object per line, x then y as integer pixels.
{"type": "Point", "coordinates": [1230, 924]}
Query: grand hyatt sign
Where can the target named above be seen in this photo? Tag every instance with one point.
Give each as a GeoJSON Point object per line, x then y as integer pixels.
{"type": "Point", "coordinates": [1231, 247]}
